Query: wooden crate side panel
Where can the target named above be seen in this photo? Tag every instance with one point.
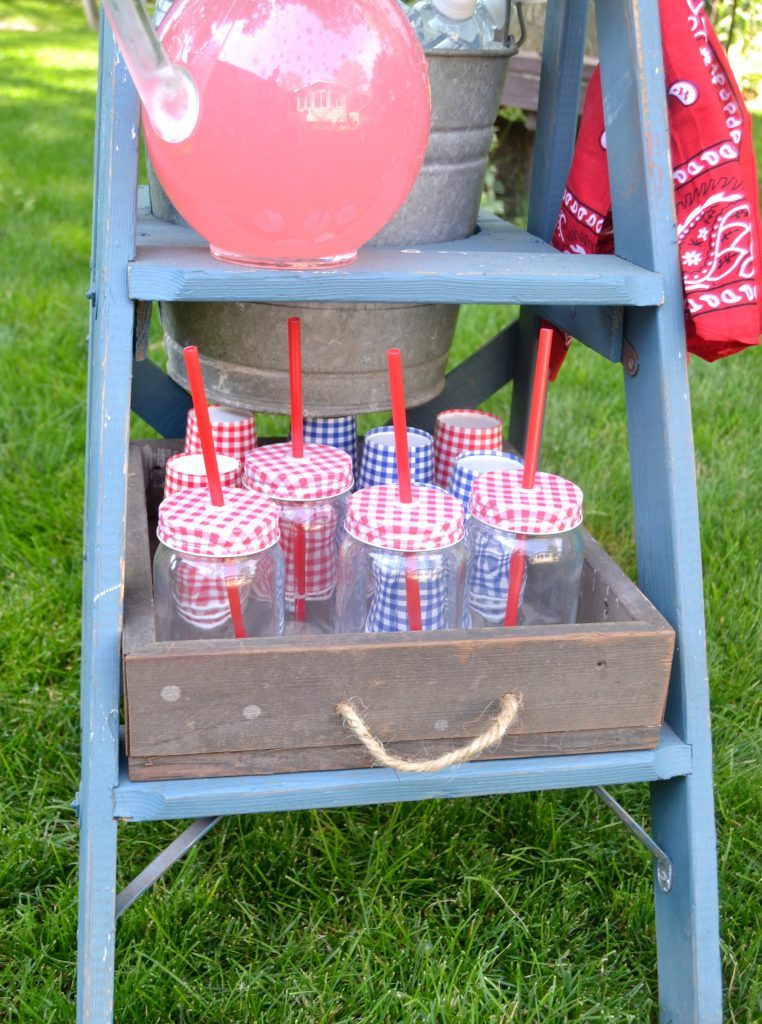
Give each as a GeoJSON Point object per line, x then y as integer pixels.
{"type": "Point", "coordinates": [275, 698]}
{"type": "Point", "coordinates": [265, 762]}
{"type": "Point", "coordinates": [138, 631]}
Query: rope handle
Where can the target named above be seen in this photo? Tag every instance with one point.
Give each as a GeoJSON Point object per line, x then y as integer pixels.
{"type": "Point", "coordinates": [492, 735]}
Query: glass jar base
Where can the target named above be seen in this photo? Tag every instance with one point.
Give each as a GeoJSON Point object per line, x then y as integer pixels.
{"type": "Point", "coordinates": [282, 263]}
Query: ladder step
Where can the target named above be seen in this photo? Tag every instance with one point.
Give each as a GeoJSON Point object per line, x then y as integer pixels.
{"type": "Point", "coordinates": [500, 264]}
{"type": "Point", "coordinates": [254, 794]}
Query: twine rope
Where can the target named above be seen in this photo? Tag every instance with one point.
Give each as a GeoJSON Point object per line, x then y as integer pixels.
{"type": "Point", "coordinates": [492, 735]}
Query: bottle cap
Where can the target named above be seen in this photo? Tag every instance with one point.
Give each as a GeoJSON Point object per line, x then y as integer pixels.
{"type": "Point", "coordinates": [463, 430]}
{"type": "Point", "coordinates": [191, 524]}
{"type": "Point", "coordinates": [322, 472]}
{"type": "Point", "coordinates": [234, 433]}
{"type": "Point", "coordinates": [184, 470]}
{"type": "Point", "coordinates": [458, 9]}
{"type": "Point", "coordinates": [432, 520]}
{"type": "Point", "coordinates": [470, 465]}
{"type": "Point", "coordinates": [553, 505]}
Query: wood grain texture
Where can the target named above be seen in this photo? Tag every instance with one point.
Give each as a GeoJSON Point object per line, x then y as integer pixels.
{"type": "Point", "coordinates": [227, 698]}
{"type": "Point", "coordinates": [522, 84]}
{"type": "Point", "coordinates": [284, 696]}
{"type": "Point", "coordinates": [598, 327]}
{"type": "Point", "coordinates": [563, 54]}
{"type": "Point", "coordinates": [499, 264]}
{"type": "Point", "coordinates": [310, 759]}
{"type": "Point", "coordinates": [664, 500]}
{"type": "Point", "coordinates": [112, 320]}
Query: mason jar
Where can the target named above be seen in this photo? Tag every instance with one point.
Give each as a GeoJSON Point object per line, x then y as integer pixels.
{"type": "Point", "coordinates": [310, 494]}
{"type": "Point", "coordinates": [218, 571]}
{"type": "Point", "coordinates": [535, 532]}
{"type": "Point", "coordinates": [402, 566]}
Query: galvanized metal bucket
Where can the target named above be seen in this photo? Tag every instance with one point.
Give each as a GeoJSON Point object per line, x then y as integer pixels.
{"type": "Point", "coordinates": [243, 352]}
{"type": "Point", "coordinates": [242, 346]}
{"type": "Point", "coordinates": [465, 95]}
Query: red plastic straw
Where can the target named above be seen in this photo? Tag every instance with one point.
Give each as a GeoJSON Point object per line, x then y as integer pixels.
{"type": "Point", "coordinates": [198, 394]}
{"type": "Point", "coordinates": [399, 420]}
{"type": "Point", "coordinates": [234, 600]}
{"type": "Point", "coordinates": [537, 407]}
{"type": "Point", "coordinates": [531, 457]}
{"type": "Point", "coordinates": [297, 450]}
{"type": "Point", "coordinates": [300, 573]}
{"type": "Point", "coordinates": [515, 579]}
{"type": "Point", "coordinates": [295, 375]}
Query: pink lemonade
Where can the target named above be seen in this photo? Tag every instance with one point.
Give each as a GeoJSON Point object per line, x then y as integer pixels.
{"type": "Point", "coordinates": [314, 120]}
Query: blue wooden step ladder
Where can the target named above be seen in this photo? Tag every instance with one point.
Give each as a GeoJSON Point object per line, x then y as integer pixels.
{"type": "Point", "coordinates": [628, 307]}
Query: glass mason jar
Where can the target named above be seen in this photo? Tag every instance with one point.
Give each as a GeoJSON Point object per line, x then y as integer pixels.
{"type": "Point", "coordinates": [533, 531]}
{"type": "Point", "coordinates": [310, 494]}
{"type": "Point", "coordinates": [218, 572]}
{"type": "Point", "coordinates": [401, 566]}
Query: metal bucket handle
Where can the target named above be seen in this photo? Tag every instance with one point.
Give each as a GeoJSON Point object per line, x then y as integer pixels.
{"type": "Point", "coordinates": [512, 45]}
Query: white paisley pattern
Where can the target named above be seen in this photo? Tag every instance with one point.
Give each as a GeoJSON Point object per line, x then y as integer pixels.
{"type": "Point", "coordinates": [716, 238]}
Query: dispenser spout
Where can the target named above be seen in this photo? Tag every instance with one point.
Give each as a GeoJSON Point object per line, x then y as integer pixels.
{"type": "Point", "coordinates": [167, 91]}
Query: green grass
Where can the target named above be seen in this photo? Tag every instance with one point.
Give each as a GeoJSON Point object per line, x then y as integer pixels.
{"type": "Point", "coordinates": [530, 908]}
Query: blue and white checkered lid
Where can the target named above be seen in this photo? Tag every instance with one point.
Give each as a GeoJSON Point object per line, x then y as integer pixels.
{"type": "Point", "coordinates": [322, 472]}
{"type": "Point", "coordinates": [553, 505]}
{"type": "Point", "coordinates": [432, 520]}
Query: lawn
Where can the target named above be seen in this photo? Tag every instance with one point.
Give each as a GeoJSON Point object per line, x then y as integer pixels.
{"type": "Point", "coordinates": [526, 908]}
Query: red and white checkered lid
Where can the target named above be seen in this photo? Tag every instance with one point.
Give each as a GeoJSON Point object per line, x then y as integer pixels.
{"type": "Point", "coordinates": [190, 523]}
{"type": "Point", "coordinates": [434, 519]}
{"type": "Point", "coordinates": [553, 505]}
{"type": "Point", "coordinates": [234, 433]}
{"type": "Point", "coordinates": [323, 472]}
{"type": "Point", "coordinates": [183, 471]}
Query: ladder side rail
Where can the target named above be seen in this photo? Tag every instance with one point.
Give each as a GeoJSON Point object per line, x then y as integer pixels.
{"type": "Point", "coordinates": [563, 55]}
{"type": "Point", "coordinates": [664, 497]}
{"type": "Point", "coordinates": [108, 402]}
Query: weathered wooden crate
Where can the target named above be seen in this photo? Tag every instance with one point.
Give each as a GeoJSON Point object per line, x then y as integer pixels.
{"type": "Point", "coordinates": [239, 707]}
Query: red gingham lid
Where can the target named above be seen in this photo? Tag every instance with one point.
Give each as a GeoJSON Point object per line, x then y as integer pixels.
{"type": "Point", "coordinates": [245, 524]}
{"type": "Point", "coordinates": [460, 430]}
{"type": "Point", "coordinates": [322, 472]}
{"type": "Point", "coordinates": [553, 505]}
{"type": "Point", "coordinates": [234, 433]}
{"type": "Point", "coordinates": [188, 470]}
{"type": "Point", "coordinates": [434, 518]}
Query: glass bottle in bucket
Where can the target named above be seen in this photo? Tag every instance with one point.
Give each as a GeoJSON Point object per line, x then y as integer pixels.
{"type": "Point", "coordinates": [287, 134]}
{"type": "Point", "coordinates": [452, 25]}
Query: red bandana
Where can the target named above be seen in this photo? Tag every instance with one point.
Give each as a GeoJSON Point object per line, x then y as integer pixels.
{"type": "Point", "coordinates": [715, 184]}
